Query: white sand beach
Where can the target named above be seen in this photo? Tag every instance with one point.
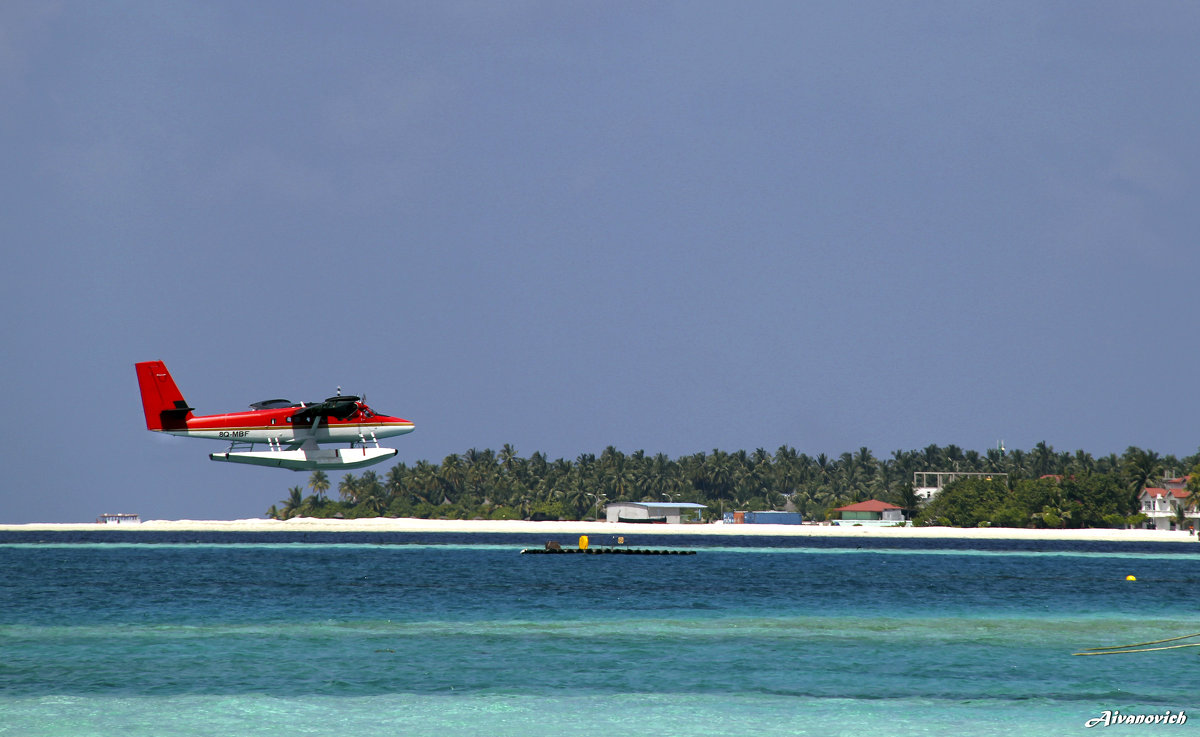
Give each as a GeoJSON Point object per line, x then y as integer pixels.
{"type": "Point", "coordinates": [565, 530]}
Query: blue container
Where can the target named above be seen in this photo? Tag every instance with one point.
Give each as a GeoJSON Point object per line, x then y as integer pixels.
{"type": "Point", "coordinates": [768, 518]}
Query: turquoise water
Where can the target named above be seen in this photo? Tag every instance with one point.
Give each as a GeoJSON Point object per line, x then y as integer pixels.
{"type": "Point", "coordinates": [213, 635]}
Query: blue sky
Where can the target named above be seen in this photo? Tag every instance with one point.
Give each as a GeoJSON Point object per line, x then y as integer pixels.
{"type": "Point", "coordinates": [565, 225]}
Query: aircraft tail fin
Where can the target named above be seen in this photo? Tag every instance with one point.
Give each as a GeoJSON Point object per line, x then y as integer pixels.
{"type": "Point", "coordinates": [164, 405]}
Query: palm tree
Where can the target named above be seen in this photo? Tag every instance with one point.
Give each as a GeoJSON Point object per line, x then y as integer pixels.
{"type": "Point", "coordinates": [864, 458]}
{"type": "Point", "coordinates": [452, 475]}
{"type": "Point", "coordinates": [295, 500]}
{"type": "Point", "coordinates": [536, 466]}
{"type": "Point", "coordinates": [425, 482]}
{"type": "Point", "coordinates": [509, 458]}
{"type": "Point", "coordinates": [1181, 518]}
{"type": "Point", "coordinates": [1108, 464]}
{"type": "Point", "coordinates": [1081, 464]}
{"type": "Point", "coordinates": [786, 473]}
{"type": "Point", "coordinates": [397, 481]}
{"type": "Point", "coordinates": [372, 494]}
{"type": "Point", "coordinates": [953, 453]}
{"type": "Point", "coordinates": [348, 488]}
{"type": "Point", "coordinates": [1192, 503]}
{"type": "Point", "coordinates": [719, 475]}
{"type": "Point", "coordinates": [1016, 464]}
{"type": "Point", "coordinates": [620, 478]}
{"type": "Point", "coordinates": [995, 461]}
{"type": "Point", "coordinates": [799, 501]}
{"type": "Point", "coordinates": [574, 498]}
{"type": "Point", "coordinates": [1041, 459]}
{"type": "Point", "coordinates": [823, 466]}
{"type": "Point", "coordinates": [481, 473]}
{"type": "Point", "coordinates": [909, 500]}
{"type": "Point", "coordinates": [1140, 468]}
{"type": "Point", "coordinates": [935, 459]}
{"type": "Point", "coordinates": [597, 500]}
{"type": "Point", "coordinates": [369, 487]}
{"type": "Point", "coordinates": [319, 483]}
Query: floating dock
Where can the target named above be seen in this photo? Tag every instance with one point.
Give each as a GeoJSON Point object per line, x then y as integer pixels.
{"type": "Point", "coordinates": [553, 547]}
{"type": "Point", "coordinates": [603, 551]}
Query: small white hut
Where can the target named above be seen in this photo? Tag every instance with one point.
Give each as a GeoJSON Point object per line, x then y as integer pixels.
{"type": "Point", "coordinates": [671, 513]}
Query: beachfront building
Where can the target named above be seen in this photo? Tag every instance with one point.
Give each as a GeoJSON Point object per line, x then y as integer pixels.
{"type": "Point", "coordinates": [671, 513]}
{"type": "Point", "coordinates": [1161, 505]}
{"type": "Point", "coordinates": [118, 519]}
{"type": "Point", "coordinates": [872, 511]}
{"type": "Point", "coordinates": [927, 484]}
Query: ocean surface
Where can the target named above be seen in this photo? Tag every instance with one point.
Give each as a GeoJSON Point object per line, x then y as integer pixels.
{"type": "Point", "coordinates": [156, 634]}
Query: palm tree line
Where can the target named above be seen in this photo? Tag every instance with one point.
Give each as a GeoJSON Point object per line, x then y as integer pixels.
{"type": "Point", "coordinates": [485, 484]}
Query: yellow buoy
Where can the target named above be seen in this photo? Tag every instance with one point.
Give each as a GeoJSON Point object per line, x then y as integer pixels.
{"type": "Point", "coordinates": [583, 542]}
{"type": "Point", "coordinates": [1131, 578]}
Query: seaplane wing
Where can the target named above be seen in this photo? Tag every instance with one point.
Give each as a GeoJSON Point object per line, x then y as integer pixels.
{"type": "Point", "coordinates": [291, 431]}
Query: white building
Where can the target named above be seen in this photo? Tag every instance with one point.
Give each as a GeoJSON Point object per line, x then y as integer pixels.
{"type": "Point", "coordinates": [1161, 504]}
{"type": "Point", "coordinates": [671, 513]}
{"type": "Point", "coordinates": [118, 519]}
{"type": "Point", "coordinates": [927, 484]}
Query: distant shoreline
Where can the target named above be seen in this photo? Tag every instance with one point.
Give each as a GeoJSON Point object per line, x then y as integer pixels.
{"type": "Point", "coordinates": [383, 524]}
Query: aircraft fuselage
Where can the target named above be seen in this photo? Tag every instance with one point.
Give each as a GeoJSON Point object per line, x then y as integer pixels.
{"type": "Point", "coordinates": [276, 426]}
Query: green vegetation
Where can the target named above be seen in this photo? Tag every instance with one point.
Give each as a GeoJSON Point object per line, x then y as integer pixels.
{"type": "Point", "coordinates": [1093, 500]}
{"type": "Point", "coordinates": [484, 484]}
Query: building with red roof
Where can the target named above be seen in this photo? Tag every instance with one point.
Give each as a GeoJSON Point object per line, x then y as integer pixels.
{"type": "Point", "coordinates": [871, 510]}
{"type": "Point", "coordinates": [1161, 505]}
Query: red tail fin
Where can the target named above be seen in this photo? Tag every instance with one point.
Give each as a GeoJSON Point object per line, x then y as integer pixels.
{"type": "Point", "coordinates": [162, 401]}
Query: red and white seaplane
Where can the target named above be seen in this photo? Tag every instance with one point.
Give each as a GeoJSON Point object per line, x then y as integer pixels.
{"type": "Point", "coordinates": [291, 431]}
